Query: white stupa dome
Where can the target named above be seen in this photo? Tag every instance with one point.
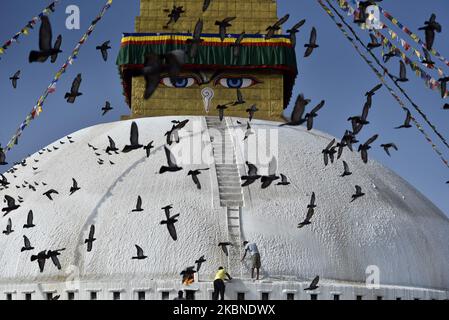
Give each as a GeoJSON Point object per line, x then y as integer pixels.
{"type": "Point", "coordinates": [393, 227]}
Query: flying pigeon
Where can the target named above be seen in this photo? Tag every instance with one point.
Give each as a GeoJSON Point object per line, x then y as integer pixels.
{"type": "Point", "coordinates": [313, 285]}
{"type": "Point", "coordinates": [431, 26]}
{"type": "Point", "coordinates": [276, 27]}
{"type": "Point", "coordinates": [284, 181]}
{"type": "Point", "coordinates": [358, 193]}
{"type": "Point", "coordinates": [53, 255]}
{"type": "Point", "coordinates": [29, 223]}
{"type": "Point", "coordinates": [49, 193]}
{"type": "Point", "coordinates": [74, 91]}
{"type": "Point", "coordinates": [107, 107]}
{"type": "Point", "coordinates": [104, 50]}
{"type": "Point", "coordinates": [223, 25]}
{"type": "Point", "coordinates": [174, 15]}
{"type": "Point", "coordinates": [296, 117]}
{"type": "Point", "coordinates": [206, 4]}
{"type": "Point", "coordinates": [328, 153]}
{"type": "Point", "coordinates": [91, 238]}
{"type": "Point", "coordinates": [140, 254]}
{"type": "Point", "coordinates": [134, 139]}
{"type": "Point", "coordinates": [224, 247]}
{"type": "Point", "coordinates": [40, 257]}
{"type": "Point", "coordinates": [170, 222]}
{"type": "Point", "coordinates": [252, 175]}
{"type": "Point", "coordinates": [45, 44]}
{"type": "Point", "coordinates": [194, 174]}
{"type": "Point", "coordinates": [251, 112]}
{"type": "Point", "coordinates": [111, 147]}
{"type": "Point", "coordinates": [9, 229]}
{"type": "Point", "coordinates": [148, 148]}
{"type": "Point", "coordinates": [237, 45]}
{"type": "Point", "coordinates": [402, 73]}
{"type": "Point", "coordinates": [138, 205]}
{"type": "Point", "coordinates": [14, 79]}
{"type": "Point", "coordinates": [407, 120]}
{"type": "Point", "coordinates": [363, 148]}
{"type": "Point", "coordinates": [268, 179]}
{"type": "Point", "coordinates": [347, 172]}
{"type": "Point", "coordinates": [312, 43]}
{"type": "Point", "coordinates": [374, 42]}
{"type": "Point", "coordinates": [199, 262]}
{"type": "Point", "coordinates": [310, 213]}
{"type": "Point", "coordinates": [196, 39]}
{"type": "Point", "coordinates": [387, 147]}
{"type": "Point", "coordinates": [74, 187]}
{"type": "Point", "coordinates": [171, 163]}
{"type": "Point", "coordinates": [294, 30]}
{"type": "Point", "coordinates": [240, 99]}
{"type": "Point", "coordinates": [26, 245]}
{"type": "Point", "coordinates": [443, 86]}
{"type": "Point", "coordinates": [313, 114]}
{"type": "Point", "coordinates": [11, 205]}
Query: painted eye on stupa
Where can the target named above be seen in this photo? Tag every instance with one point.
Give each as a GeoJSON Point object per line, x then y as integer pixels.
{"type": "Point", "coordinates": [180, 82]}
{"type": "Point", "coordinates": [236, 82]}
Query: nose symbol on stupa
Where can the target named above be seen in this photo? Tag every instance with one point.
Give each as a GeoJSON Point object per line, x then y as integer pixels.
{"type": "Point", "coordinates": [208, 95]}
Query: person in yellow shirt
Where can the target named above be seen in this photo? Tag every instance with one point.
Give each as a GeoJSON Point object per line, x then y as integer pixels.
{"type": "Point", "coordinates": [219, 285]}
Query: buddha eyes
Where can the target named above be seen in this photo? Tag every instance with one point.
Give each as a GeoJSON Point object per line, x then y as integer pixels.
{"type": "Point", "coordinates": [180, 82]}
{"type": "Point", "coordinates": [236, 82]}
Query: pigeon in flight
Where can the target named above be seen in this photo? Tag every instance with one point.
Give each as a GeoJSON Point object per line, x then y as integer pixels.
{"type": "Point", "coordinates": [347, 172]}
{"type": "Point", "coordinates": [194, 174]}
{"type": "Point", "coordinates": [363, 148]}
{"type": "Point", "coordinates": [199, 262]}
{"type": "Point", "coordinates": [443, 86]}
{"type": "Point", "coordinates": [74, 90]}
{"type": "Point", "coordinates": [171, 162]}
{"type": "Point", "coordinates": [40, 257]}
{"type": "Point", "coordinates": [402, 73]}
{"type": "Point", "coordinates": [221, 109]}
{"type": "Point", "coordinates": [74, 187]}
{"type": "Point", "coordinates": [107, 107]}
{"type": "Point", "coordinates": [14, 79]}
{"type": "Point", "coordinates": [174, 15]}
{"type": "Point", "coordinates": [240, 100]}
{"type": "Point", "coordinates": [91, 238]}
{"type": "Point", "coordinates": [237, 45]}
{"type": "Point", "coordinates": [138, 205]}
{"type": "Point", "coordinates": [111, 147]}
{"type": "Point", "coordinates": [53, 255]}
{"type": "Point", "coordinates": [29, 223]}
{"type": "Point", "coordinates": [312, 43]}
{"type": "Point", "coordinates": [431, 26]}
{"type": "Point", "coordinates": [313, 114]}
{"type": "Point", "coordinates": [251, 112]}
{"type": "Point", "coordinates": [446, 106]}
{"type": "Point", "coordinates": [206, 4]}
{"type": "Point", "coordinates": [148, 148]}
{"type": "Point", "coordinates": [373, 91]}
{"type": "Point", "coordinates": [134, 139]}
{"type": "Point", "coordinates": [395, 52]}
{"type": "Point", "coordinates": [140, 254]}
{"type": "Point", "coordinates": [310, 213]}
{"type": "Point", "coordinates": [313, 285]}
{"type": "Point", "coordinates": [284, 181]}
{"type": "Point", "coordinates": [248, 131]}
{"type": "Point", "coordinates": [104, 50]}
{"type": "Point", "coordinates": [268, 179]}
{"type": "Point", "coordinates": [223, 25]}
{"type": "Point", "coordinates": [224, 247]}
{"type": "Point", "coordinates": [407, 120]}
{"type": "Point", "coordinates": [252, 175]}
{"type": "Point", "coordinates": [312, 201]}
{"type": "Point", "coordinates": [196, 39]}
{"type": "Point", "coordinates": [358, 193]}
{"type": "Point", "coordinates": [328, 153]}
{"type": "Point", "coordinates": [2, 157]}
{"type": "Point", "coordinates": [9, 229]}
{"type": "Point", "coordinates": [49, 193]}
{"type": "Point", "coordinates": [45, 44]}
{"type": "Point", "coordinates": [170, 222]}
{"type": "Point", "coordinates": [276, 27]}
{"type": "Point", "coordinates": [3, 181]}
{"type": "Point", "coordinates": [374, 42]}
{"type": "Point", "coordinates": [294, 30]}
{"type": "Point", "coordinates": [26, 245]}
{"type": "Point", "coordinates": [296, 117]}
{"type": "Point", "coordinates": [387, 147]}
{"type": "Point", "coordinates": [10, 205]}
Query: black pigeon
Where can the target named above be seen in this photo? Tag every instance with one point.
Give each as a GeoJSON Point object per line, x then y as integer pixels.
{"type": "Point", "coordinates": [237, 45]}
{"type": "Point", "coordinates": [431, 26]}
{"type": "Point", "coordinates": [358, 122]}
{"type": "Point", "coordinates": [196, 39]}
{"type": "Point", "coordinates": [251, 112]}
{"type": "Point", "coordinates": [312, 201]}
{"type": "Point", "coordinates": [296, 117]}
{"type": "Point", "coordinates": [221, 109]}
{"type": "Point", "coordinates": [363, 148]}
{"type": "Point", "coordinates": [328, 153]}
{"type": "Point", "coordinates": [407, 120]}
{"type": "Point", "coordinates": [74, 188]}
{"type": "Point", "coordinates": [294, 30]}
{"type": "Point", "coordinates": [148, 148]}
{"type": "Point", "coordinates": [104, 50]}
{"type": "Point", "coordinates": [199, 262]}
{"type": "Point", "coordinates": [3, 181]}
{"type": "Point", "coordinates": [248, 131]}
{"type": "Point", "coordinates": [310, 213]}
{"type": "Point", "coordinates": [26, 245]}
{"type": "Point", "coordinates": [224, 247]}
{"type": "Point", "coordinates": [284, 181]}
{"type": "Point", "coordinates": [49, 193]}
{"type": "Point", "coordinates": [138, 205]}
{"type": "Point", "coordinates": [134, 139]}
{"type": "Point", "coordinates": [170, 222]}
{"type": "Point", "coordinates": [174, 15]}
{"type": "Point", "coordinates": [45, 44]}
{"type": "Point", "coordinates": [446, 106]}
{"type": "Point", "coordinates": [171, 163]}
{"type": "Point", "coordinates": [14, 79]}
{"type": "Point", "coordinates": [29, 223]}
{"type": "Point", "coordinates": [74, 90]}
{"type": "Point", "coordinates": [387, 147]}
{"type": "Point", "coordinates": [53, 255]}
{"type": "Point", "coordinates": [252, 175]}
{"type": "Point", "coordinates": [155, 65]}
{"type": "Point", "coordinates": [443, 86]}
{"type": "Point", "coordinates": [373, 91]}
{"type": "Point", "coordinates": [313, 285]}
{"type": "Point", "coordinates": [2, 157]}
{"type": "Point", "coordinates": [358, 193]}
{"type": "Point", "coordinates": [276, 27]}
{"type": "Point", "coordinates": [11, 205]}
{"type": "Point", "coordinates": [347, 172]}
{"type": "Point", "coordinates": [107, 107]}
{"type": "Point", "coordinates": [91, 238]}
{"type": "Point", "coordinates": [111, 147]}
{"type": "Point", "coordinates": [140, 254]}
{"type": "Point", "coordinates": [240, 99]}
{"type": "Point", "coordinates": [9, 229]}
{"type": "Point", "coordinates": [394, 52]}
{"type": "Point", "coordinates": [374, 42]}
{"type": "Point", "coordinates": [313, 114]}
{"type": "Point", "coordinates": [40, 257]}
{"type": "Point", "coordinates": [194, 174]}
{"type": "Point", "coordinates": [268, 179]}
{"type": "Point", "coordinates": [402, 73]}
{"type": "Point", "coordinates": [206, 4]}
{"type": "Point", "coordinates": [312, 43]}
{"type": "Point", "coordinates": [223, 25]}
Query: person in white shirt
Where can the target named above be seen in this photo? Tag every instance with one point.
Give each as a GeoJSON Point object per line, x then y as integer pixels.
{"type": "Point", "coordinates": [255, 257]}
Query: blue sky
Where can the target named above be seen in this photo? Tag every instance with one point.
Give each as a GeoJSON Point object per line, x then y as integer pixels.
{"type": "Point", "coordinates": [334, 72]}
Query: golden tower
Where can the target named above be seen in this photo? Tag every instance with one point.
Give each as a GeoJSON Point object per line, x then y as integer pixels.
{"type": "Point", "coordinates": [264, 73]}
